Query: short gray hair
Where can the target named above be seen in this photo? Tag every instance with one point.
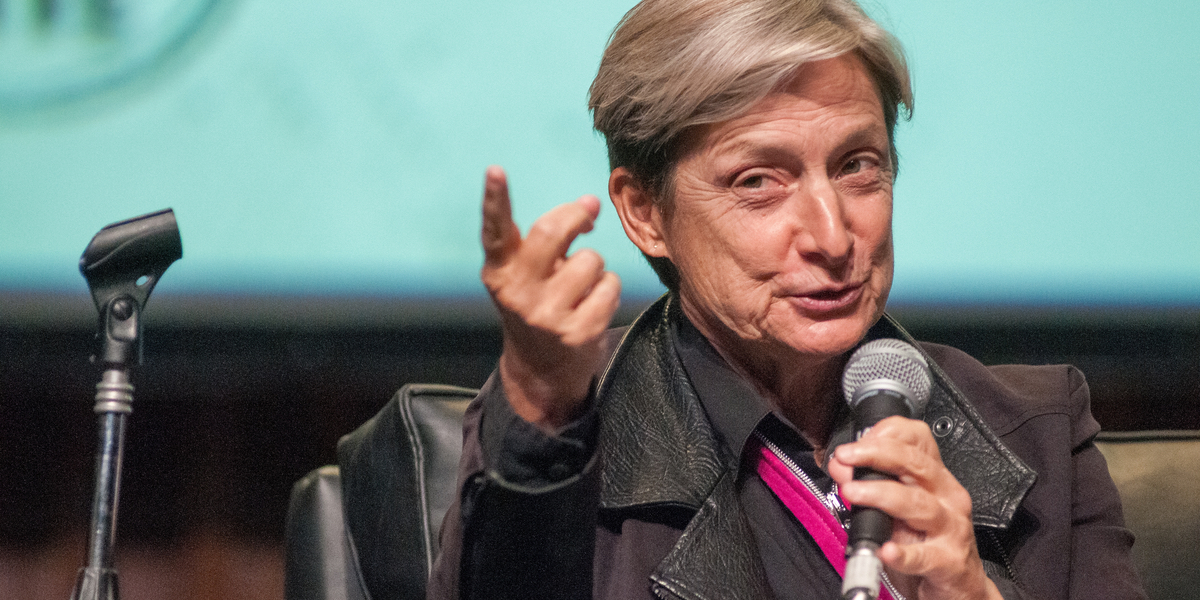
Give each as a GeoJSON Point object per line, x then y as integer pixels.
{"type": "Point", "coordinates": [672, 65]}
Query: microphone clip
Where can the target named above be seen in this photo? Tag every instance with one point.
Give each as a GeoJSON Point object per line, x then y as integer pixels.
{"type": "Point", "coordinates": [122, 264]}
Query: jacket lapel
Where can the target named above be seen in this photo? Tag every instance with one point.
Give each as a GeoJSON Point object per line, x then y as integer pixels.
{"type": "Point", "coordinates": [658, 448]}
{"type": "Point", "coordinates": [716, 557]}
{"type": "Point", "coordinates": [656, 445]}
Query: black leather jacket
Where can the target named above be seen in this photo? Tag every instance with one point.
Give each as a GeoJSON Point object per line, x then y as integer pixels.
{"type": "Point", "coordinates": [660, 474]}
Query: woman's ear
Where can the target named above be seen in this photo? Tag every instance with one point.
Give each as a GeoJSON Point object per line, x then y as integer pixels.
{"type": "Point", "coordinates": [640, 215]}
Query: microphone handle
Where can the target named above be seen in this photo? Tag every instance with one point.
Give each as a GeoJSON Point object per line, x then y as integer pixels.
{"type": "Point", "coordinates": [869, 524]}
{"type": "Point", "coordinates": [869, 527]}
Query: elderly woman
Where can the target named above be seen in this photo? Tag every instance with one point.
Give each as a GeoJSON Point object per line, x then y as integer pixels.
{"type": "Point", "coordinates": [752, 155]}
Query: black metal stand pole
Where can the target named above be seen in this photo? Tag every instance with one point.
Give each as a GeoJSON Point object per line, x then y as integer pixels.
{"type": "Point", "coordinates": [114, 400]}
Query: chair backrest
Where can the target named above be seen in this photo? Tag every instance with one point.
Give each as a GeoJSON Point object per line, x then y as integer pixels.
{"type": "Point", "coordinates": [1158, 476]}
{"type": "Point", "coordinates": [367, 528]}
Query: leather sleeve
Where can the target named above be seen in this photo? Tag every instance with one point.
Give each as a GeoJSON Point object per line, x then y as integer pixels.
{"type": "Point", "coordinates": [524, 524]}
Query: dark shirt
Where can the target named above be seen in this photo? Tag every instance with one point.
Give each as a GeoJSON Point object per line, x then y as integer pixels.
{"type": "Point", "coordinates": [796, 568]}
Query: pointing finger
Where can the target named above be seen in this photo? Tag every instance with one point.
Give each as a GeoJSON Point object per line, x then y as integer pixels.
{"type": "Point", "coordinates": [500, 234]}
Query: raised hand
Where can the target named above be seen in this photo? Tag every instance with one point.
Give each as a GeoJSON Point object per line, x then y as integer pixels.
{"type": "Point", "coordinates": [554, 308]}
{"type": "Point", "coordinates": [932, 554]}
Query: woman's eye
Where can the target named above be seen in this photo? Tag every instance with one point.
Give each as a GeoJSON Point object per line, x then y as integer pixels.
{"type": "Point", "coordinates": [853, 166]}
{"type": "Point", "coordinates": [754, 181]}
{"type": "Point", "coordinates": [860, 164]}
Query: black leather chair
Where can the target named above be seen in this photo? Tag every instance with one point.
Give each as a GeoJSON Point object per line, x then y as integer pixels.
{"type": "Point", "coordinates": [366, 529]}
{"type": "Point", "coordinates": [379, 544]}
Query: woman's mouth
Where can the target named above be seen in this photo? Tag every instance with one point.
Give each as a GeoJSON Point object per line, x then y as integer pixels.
{"type": "Point", "coordinates": [829, 300]}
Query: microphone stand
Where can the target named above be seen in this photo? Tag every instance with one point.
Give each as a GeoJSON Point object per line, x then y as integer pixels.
{"type": "Point", "coordinates": [122, 264]}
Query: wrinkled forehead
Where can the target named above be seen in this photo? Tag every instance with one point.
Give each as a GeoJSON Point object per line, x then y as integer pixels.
{"type": "Point", "coordinates": [832, 101]}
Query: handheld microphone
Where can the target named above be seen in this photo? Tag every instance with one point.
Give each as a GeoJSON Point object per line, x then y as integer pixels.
{"type": "Point", "coordinates": [883, 378]}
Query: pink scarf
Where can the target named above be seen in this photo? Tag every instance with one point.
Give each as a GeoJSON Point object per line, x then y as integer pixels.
{"type": "Point", "coordinates": [808, 509]}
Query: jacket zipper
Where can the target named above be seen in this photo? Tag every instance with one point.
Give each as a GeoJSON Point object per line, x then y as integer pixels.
{"type": "Point", "coordinates": [831, 501]}
{"type": "Point", "coordinates": [1008, 568]}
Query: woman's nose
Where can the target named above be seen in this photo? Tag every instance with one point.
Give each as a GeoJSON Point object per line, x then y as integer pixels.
{"type": "Point", "coordinates": [824, 232]}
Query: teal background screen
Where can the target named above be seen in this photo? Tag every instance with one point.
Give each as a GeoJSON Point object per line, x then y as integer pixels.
{"type": "Point", "coordinates": [338, 148]}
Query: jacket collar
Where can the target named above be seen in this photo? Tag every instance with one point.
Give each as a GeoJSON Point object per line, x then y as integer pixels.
{"type": "Point", "coordinates": [995, 477]}
{"type": "Point", "coordinates": [658, 449]}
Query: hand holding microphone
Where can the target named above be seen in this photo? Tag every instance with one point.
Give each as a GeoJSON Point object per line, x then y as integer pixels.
{"type": "Point", "coordinates": [883, 378]}
{"type": "Point", "coordinates": [893, 475]}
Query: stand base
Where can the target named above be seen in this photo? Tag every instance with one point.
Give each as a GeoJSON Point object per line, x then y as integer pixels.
{"type": "Point", "coordinates": [96, 584]}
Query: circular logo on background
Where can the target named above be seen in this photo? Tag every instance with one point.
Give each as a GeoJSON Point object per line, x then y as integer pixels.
{"type": "Point", "coordinates": [57, 52]}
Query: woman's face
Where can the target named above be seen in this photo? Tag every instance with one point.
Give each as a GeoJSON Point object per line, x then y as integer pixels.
{"type": "Point", "coordinates": [781, 220]}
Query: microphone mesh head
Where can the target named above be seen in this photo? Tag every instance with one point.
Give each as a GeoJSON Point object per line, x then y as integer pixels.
{"type": "Point", "coordinates": [890, 360]}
